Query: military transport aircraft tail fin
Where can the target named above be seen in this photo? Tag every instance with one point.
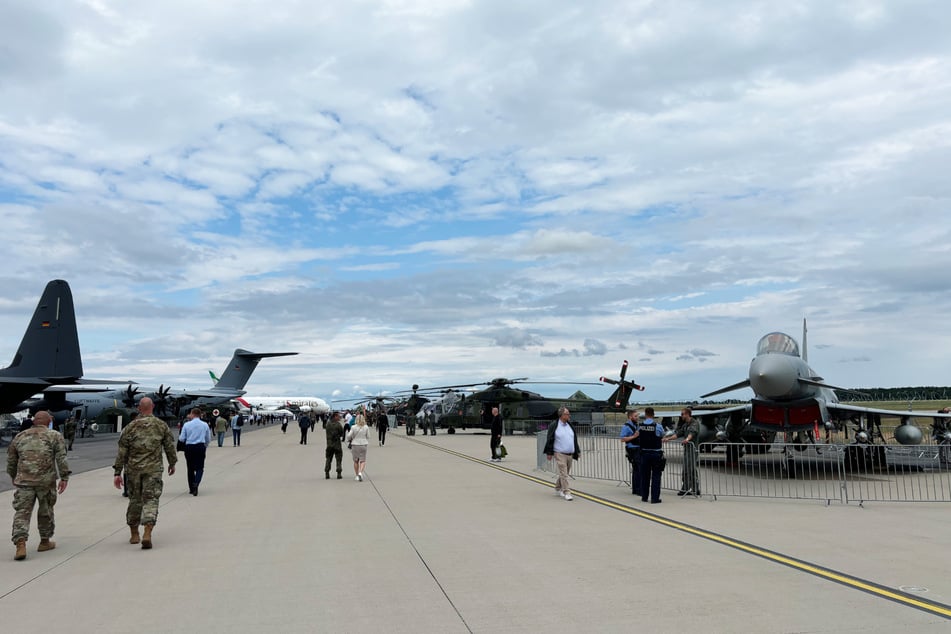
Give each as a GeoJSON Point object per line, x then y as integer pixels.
{"type": "Point", "coordinates": [242, 364]}
{"type": "Point", "coordinates": [49, 350]}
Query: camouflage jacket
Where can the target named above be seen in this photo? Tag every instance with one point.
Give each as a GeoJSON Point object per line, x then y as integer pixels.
{"type": "Point", "coordinates": [141, 444]}
{"type": "Point", "coordinates": [35, 455]}
{"type": "Point", "coordinates": [69, 429]}
{"type": "Point", "coordinates": [685, 429]}
{"type": "Point", "coordinates": [334, 434]}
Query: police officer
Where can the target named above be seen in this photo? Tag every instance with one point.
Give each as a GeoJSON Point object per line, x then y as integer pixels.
{"type": "Point", "coordinates": [34, 458]}
{"type": "Point", "coordinates": [649, 437]}
{"type": "Point", "coordinates": [633, 449]}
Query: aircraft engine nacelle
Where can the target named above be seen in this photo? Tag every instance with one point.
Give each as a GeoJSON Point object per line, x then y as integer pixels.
{"type": "Point", "coordinates": [708, 434]}
{"type": "Point", "coordinates": [908, 434]}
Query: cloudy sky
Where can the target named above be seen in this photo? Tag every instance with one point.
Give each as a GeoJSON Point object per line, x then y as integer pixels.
{"type": "Point", "coordinates": [445, 191]}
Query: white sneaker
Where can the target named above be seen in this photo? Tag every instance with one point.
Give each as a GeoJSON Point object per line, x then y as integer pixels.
{"type": "Point", "coordinates": [356, 478]}
{"type": "Point", "coordinates": [568, 497]}
{"type": "Point", "coordinates": [361, 476]}
{"type": "Point", "coordinates": [559, 492]}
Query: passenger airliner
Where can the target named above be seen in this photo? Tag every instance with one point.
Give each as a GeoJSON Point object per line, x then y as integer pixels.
{"type": "Point", "coordinates": [311, 404]}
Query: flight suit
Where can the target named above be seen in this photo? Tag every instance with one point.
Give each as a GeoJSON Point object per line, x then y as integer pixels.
{"type": "Point", "coordinates": [334, 450]}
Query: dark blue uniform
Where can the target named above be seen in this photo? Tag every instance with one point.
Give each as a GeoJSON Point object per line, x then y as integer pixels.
{"type": "Point", "coordinates": [649, 436]}
{"type": "Point", "coordinates": [633, 455]}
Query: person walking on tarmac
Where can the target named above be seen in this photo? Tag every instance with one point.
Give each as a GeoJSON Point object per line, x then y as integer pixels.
{"type": "Point", "coordinates": [649, 437]}
{"type": "Point", "coordinates": [221, 426]}
{"type": "Point", "coordinates": [141, 445]}
{"type": "Point", "coordinates": [633, 450]}
{"type": "Point", "coordinates": [304, 424]}
{"type": "Point", "coordinates": [335, 434]}
{"type": "Point", "coordinates": [495, 435]}
{"type": "Point", "coordinates": [562, 445]}
{"type": "Point", "coordinates": [69, 432]}
{"type": "Point", "coordinates": [359, 439]}
{"type": "Point", "coordinates": [382, 425]}
{"type": "Point", "coordinates": [36, 459]}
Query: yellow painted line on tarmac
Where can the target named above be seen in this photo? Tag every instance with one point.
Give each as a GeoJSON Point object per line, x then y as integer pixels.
{"type": "Point", "coordinates": [884, 592]}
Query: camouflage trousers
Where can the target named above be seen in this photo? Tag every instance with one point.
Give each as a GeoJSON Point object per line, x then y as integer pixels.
{"type": "Point", "coordinates": [23, 500]}
{"type": "Point", "coordinates": [330, 453]}
{"type": "Point", "coordinates": [144, 489]}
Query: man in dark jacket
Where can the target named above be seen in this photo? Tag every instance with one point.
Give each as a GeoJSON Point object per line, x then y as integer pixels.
{"type": "Point", "coordinates": [495, 437]}
{"type": "Point", "coordinates": [562, 445]}
{"type": "Point", "coordinates": [304, 423]}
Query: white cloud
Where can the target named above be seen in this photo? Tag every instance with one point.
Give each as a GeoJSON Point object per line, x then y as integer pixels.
{"type": "Point", "coordinates": [367, 179]}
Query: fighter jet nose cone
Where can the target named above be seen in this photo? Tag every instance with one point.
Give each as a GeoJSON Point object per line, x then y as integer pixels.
{"type": "Point", "coordinates": [772, 376]}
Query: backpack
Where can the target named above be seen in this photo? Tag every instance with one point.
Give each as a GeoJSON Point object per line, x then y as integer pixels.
{"type": "Point", "coordinates": [242, 419]}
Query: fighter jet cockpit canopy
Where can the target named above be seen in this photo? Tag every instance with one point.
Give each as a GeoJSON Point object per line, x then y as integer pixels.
{"type": "Point", "coordinates": [777, 343]}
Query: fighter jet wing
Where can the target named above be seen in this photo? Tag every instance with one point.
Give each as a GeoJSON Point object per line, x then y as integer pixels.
{"type": "Point", "coordinates": [885, 412]}
{"type": "Point", "coordinates": [697, 412]}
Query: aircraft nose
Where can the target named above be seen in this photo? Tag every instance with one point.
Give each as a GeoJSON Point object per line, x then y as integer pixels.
{"type": "Point", "coordinates": [772, 376]}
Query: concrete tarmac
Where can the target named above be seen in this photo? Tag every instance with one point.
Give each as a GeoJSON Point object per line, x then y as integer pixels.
{"type": "Point", "coordinates": [438, 539]}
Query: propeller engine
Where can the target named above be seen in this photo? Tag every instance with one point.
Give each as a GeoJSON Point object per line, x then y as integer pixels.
{"type": "Point", "coordinates": [128, 398]}
{"type": "Point", "coordinates": [162, 400]}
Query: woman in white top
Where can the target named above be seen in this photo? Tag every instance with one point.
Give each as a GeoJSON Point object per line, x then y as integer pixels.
{"type": "Point", "coordinates": [359, 439]}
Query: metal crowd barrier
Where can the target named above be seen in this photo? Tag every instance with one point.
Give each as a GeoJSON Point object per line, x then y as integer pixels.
{"type": "Point", "coordinates": [827, 472]}
{"type": "Point", "coordinates": [603, 457]}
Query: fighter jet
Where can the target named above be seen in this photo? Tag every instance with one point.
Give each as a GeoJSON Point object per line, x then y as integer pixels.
{"type": "Point", "coordinates": [61, 401]}
{"type": "Point", "coordinates": [789, 396]}
{"type": "Point", "coordinates": [48, 353]}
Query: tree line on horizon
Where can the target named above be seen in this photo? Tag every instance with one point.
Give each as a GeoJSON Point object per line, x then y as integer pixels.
{"type": "Point", "coordinates": [920, 393]}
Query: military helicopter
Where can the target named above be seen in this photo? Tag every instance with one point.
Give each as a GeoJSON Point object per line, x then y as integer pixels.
{"type": "Point", "coordinates": [522, 409]}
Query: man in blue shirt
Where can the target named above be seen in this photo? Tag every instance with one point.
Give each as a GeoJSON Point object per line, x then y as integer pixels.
{"type": "Point", "coordinates": [196, 434]}
{"type": "Point", "coordinates": [633, 450]}
{"type": "Point", "coordinates": [649, 437]}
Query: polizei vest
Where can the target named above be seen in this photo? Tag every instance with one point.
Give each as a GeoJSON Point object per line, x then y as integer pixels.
{"type": "Point", "coordinates": [648, 438]}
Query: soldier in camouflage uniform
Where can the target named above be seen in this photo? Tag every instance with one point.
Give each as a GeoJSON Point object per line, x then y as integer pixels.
{"type": "Point", "coordinates": [69, 432]}
{"type": "Point", "coordinates": [334, 450]}
{"type": "Point", "coordinates": [140, 455]}
{"type": "Point", "coordinates": [688, 428]}
{"type": "Point", "coordinates": [35, 458]}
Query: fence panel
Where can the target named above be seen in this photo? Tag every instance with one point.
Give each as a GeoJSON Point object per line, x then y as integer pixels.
{"type": "Point", "coordinates": [827, 472]}
{"type": "Point", "coordinates": [910, 473]}
{"type": "Point", "coordinates": [777, 470]}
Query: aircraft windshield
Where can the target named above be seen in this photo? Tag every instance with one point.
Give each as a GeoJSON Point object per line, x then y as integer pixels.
{"type": "Point", "coordinates": [778, 342]}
